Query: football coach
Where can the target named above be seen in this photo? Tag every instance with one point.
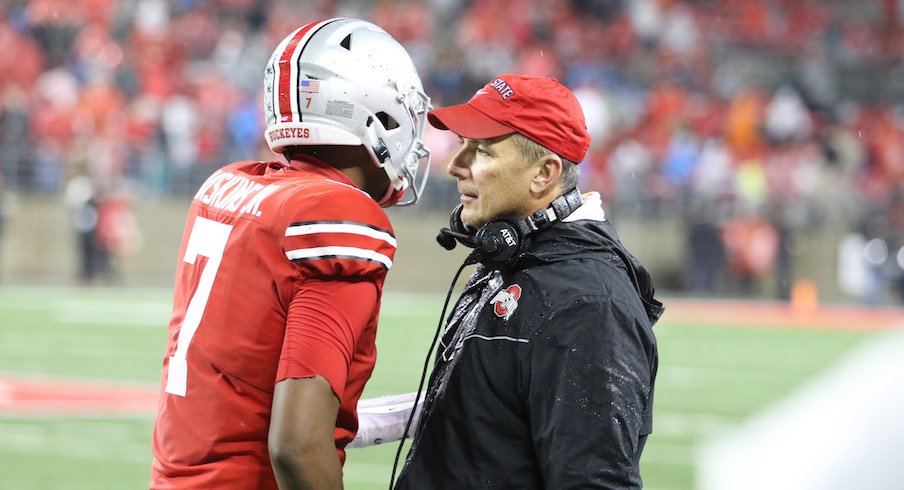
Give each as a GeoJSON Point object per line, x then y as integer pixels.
{"type": "Point", "coordinates": [544, 374]}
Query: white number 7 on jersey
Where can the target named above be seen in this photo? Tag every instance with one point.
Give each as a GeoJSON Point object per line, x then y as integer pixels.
{"type": "Point", "coordinates": [207, 238]}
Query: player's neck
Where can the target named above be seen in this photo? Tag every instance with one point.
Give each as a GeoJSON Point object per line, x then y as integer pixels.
{"type": "Point", "coordinates": [353, 161]}
{"type": "Point", "coordinates": [369, 178]}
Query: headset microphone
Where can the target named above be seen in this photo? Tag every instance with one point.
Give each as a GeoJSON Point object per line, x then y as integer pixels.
{"type": "Point", "coordinates": [446, 238]}
{"type": "Point", "coordinates": [457, 231]}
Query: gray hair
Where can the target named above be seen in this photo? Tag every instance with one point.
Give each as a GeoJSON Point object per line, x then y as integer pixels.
{"type": "Point", "coordinates": [531, 151]}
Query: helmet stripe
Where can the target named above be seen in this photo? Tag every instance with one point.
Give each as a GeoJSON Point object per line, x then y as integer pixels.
{"type": "Point", "coordinates": [287, 103]}
{"type": "Point", "coordinates": [281, 76]}
{"type": "Point", "coordinates": [285, 76]}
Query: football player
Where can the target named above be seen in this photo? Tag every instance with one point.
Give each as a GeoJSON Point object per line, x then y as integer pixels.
{"type": "Point", "coordinates": [281, 268]}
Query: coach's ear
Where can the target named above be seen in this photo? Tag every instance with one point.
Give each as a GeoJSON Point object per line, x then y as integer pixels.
{"type": "Point", "coordinates": [547, 171]}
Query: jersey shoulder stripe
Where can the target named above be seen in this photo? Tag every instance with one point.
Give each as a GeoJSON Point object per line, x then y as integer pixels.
{"type": "Point", "coordinates": [334, 229]}
{"type": "Point", "coordinates": [341, 226]}
{"type": "Point", "coordinates": [340, 247]}
{"type": "Point", "coordinates": [353, 253]}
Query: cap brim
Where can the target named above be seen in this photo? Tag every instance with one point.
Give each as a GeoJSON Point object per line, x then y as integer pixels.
{"type": "Point", "coordinates": [467, 122]}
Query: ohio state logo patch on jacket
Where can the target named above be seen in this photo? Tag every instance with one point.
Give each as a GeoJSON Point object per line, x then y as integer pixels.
{"type": "Point", "coordinates": [506, 301]}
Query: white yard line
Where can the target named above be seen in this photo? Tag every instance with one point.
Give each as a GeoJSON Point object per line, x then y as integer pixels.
{"type": "Point", "coordinates": [841, 430]}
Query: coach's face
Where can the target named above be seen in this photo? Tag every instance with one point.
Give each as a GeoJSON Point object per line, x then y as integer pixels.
{"type": "Point", "coordinates": [493, 180]}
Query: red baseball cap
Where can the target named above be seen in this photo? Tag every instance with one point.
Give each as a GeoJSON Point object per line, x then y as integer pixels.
{"type": "Point", "coordinates": [540, 108]}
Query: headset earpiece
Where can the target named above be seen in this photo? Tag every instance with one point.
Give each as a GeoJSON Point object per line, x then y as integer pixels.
{"type": "Point", "coordinates": [457, 225]}
{"type": "Point", "coordinates": [501, 241]}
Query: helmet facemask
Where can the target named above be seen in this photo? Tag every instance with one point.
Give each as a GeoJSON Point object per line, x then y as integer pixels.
{"type": "Point", "coordinates": [402, 167]}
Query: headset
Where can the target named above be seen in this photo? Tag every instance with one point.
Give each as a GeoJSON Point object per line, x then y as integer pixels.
{"type": "Point", "coordinates": [499, 243]}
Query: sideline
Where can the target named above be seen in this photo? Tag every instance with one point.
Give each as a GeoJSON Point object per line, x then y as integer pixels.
{"type": "Point", "coordinates": [780, 314]}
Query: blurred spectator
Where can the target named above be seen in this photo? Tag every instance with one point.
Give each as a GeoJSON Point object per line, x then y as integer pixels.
{"type": "Point", "coordinates": [14, 135]}
{"type": "Point", "coordinates": [745, 114]}
{"type": "Point", "coordinates": [786, 117]}
{"type": "Point", "coordinates": [706, 249]}
{"type": "Point", "coordinates": [94, 258]}
{"type": "Point", "coordinates": [881, 240]}
{"type": "Point", "coordinates": [713, 176]}
{"type": "Point", "coordinates": [679, 162]}
{"type": "Point", "coordinates": [896, 240]}
{"type": "Point", "coordinates": [21, 55]}
{"type": "Point", "coordinates": [751, 245]}
{"type": "Point", "coordinates": [679, 32]}
{"type": "Point", "coordinates": [105, 228]}
{"type": "Point", "coordinates": [629, 165]}
{"type": "Point", "coordinates": [117, 232]}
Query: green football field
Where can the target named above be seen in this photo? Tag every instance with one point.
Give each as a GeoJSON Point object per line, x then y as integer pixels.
{"type": "Point", "coordinates": [713, 374]}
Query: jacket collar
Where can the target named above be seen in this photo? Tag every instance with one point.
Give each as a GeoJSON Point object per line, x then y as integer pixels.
{"type": "Point", "coordinates": [592, 209]}
{"type": "Point", "coordinates": [587, 232]}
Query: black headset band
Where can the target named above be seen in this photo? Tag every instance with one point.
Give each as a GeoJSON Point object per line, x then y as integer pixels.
{"type": "Point", "coordinates": [567, 203]}
{"type": "Point", "coordinates": [559, 209]}
{"type": "Point", "coordinates": [504, 238]}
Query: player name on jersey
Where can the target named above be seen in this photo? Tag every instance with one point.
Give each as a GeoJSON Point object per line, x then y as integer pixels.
{"type": "Point", "coordinates": [227, 191]}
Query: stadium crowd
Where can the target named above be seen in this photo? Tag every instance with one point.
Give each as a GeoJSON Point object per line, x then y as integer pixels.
{"type": "Point", "coordinates": [749, 119]}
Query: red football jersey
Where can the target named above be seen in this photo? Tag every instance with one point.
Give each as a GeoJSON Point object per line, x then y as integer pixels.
{"type": "Point", "coordinates": [260, 239]}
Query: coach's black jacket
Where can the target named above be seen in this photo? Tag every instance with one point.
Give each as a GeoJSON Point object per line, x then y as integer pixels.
{"type": "Point", "coordinates": [544, 377]}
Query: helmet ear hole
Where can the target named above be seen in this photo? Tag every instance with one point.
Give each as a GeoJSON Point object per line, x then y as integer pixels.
{"type": "Point", "coordinates": [347, 42]}
{"type": "Point", "coordinates": [387, 121]}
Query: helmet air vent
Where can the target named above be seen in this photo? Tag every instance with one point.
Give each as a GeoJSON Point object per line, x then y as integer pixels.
{"type": "Point", "coordinates": [347, 42]}
{"type": "Point", "coordinates": [387, 121]}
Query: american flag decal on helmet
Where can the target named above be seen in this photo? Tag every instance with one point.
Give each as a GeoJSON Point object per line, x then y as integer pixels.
{"type": "Point", "coordinates": [309, 86]}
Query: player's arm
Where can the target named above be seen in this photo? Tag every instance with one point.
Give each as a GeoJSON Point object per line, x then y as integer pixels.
{"type": "Point", "coordinates": [588, 391]}
{"type": "Point", "coordinates": [383, 419]}
{"type": "Point", "coordinates": [301, 445]}
{"type": "Point", "coordinates": [325, 321]}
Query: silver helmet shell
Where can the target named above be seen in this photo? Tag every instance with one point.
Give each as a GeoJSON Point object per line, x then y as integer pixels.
{"type": "Point", "coordinates": [347, 82]}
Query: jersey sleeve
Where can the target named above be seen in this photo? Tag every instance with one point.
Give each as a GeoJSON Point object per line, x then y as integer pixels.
{"type": "Point", "coordinates": [325, 322]}
{"type": "Point", "coordinates": [340, 232]}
